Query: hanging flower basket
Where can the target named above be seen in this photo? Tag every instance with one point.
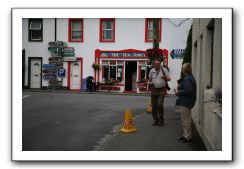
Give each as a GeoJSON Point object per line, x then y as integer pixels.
{"type": "Point", "coordinates": [154, 53]}
{"type": "Point", "coordinates": [96, 66]}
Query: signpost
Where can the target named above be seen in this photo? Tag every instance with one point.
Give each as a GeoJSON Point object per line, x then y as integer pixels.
{"type": "Point", "coordinates": [70, 59]}
{"type": "Point", "coordinates": [177, 53]}
{"type": "Point", "coordinates": [60, 52]}
{"type": "Point", "coordinates": [61, 72]}
{"type": "Point", "coordinates": [49, 66]}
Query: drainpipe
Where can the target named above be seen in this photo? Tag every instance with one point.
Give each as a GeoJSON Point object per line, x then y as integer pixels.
{"type": "Point", "coordinates": [55, 29]}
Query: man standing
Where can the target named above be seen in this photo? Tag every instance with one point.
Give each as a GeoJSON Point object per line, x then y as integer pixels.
{"type": "Point", "coordinates": [158, 76]}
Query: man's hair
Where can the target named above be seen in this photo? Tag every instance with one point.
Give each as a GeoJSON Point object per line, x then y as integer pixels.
{"type": "Point", "coordinates": [187, 68]}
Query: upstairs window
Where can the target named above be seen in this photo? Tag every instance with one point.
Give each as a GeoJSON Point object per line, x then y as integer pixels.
{"type": "Point", "coordinates": [107, 30]}
{"type": "Point", "coordinates": [75, 30]}
{"type": "Point", "coordinates": [150, 31]}
{"type": "Point", "coordinates": [36, 30]}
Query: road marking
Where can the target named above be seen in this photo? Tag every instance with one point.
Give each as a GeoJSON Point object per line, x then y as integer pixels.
{"type": "Point", "coordinates": [25, 96]}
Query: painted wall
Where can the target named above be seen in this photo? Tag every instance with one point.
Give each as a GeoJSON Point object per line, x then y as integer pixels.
{"type": "Point", "coordinates": [207, 113]}
{"type": "Point", "coordinates": [130, 33]}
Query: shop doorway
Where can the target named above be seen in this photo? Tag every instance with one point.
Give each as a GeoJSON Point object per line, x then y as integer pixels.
{"type": "Point", "coordinates": [130, 75]}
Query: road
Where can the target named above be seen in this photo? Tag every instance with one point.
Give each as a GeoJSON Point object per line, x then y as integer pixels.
{"type": "Point", "coordinates": [77, 122]}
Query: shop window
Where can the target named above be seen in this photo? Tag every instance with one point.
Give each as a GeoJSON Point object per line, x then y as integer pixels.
{"type": "Point", "coordinates": [75, 30]}
{"type": "Point", "coordinates": [106, 73]}
{"type": "Point", "coordinates": [35, 30]}
{"type": "Point", "coordinates": [143, 73]}
{"type": "Point", "coordinates": [149, 30]}
{"type": "Point", "coordinates": [119, 73]}
{"type": "Point", "coordinates": [112, 72]}
{"type": "Point", "coordinates": [107, 30]}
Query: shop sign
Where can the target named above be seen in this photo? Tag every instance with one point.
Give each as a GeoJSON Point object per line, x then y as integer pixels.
{"type": "Point", "coordinates": [70, 59]}
{"type": "Point", "coordinates": [123, 54]}
{"type": "Point", "coordinates": [177, 53]}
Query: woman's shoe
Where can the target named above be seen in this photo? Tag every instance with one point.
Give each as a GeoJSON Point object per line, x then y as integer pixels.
{"type": "Point", "coordinates": [155, 123]}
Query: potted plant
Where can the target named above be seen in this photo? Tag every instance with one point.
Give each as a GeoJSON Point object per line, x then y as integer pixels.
{"type": "Point", "coordinates": [154, 53]}
{"type": "Point", "coordinates": [96, 66]}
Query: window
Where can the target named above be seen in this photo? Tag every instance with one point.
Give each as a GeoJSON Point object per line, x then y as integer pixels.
{"type": "Point", "coordinates": [112, 71]}
{"type": "Point", "coordinates": [35, 30]}
{"type": "Point", "coordinates": [149, 30]}
{"type": "Point", "coordinates": [107, 30]}
{"type": "Point", "coordinates": [75, 30]}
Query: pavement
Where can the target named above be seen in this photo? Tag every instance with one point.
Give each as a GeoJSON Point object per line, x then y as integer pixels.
{"type": "Point", "coordinates": [151, 138]}
{"type": "Point", "coordinates": [92, 122]}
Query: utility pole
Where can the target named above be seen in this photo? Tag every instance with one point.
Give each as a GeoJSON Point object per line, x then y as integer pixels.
{"type": "Point", "coordinates": [156, 32]}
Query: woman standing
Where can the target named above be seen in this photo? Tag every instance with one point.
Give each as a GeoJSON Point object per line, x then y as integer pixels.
{"type": "Point", "coordinates": [186, 93]}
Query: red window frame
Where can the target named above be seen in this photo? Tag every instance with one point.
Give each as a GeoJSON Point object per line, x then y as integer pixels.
{"type": "Point", "coordinates": [70, 30]}
{"type": "Point", "coordinates": [146, 30]}
{"type": "Point", "coordinates": [101, 31]}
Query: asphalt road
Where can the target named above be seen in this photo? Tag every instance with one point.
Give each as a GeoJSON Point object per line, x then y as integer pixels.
{"type": "Point", "coordinates": [71, 121]}
{"type": "Point", "coordinates": [85, 122]}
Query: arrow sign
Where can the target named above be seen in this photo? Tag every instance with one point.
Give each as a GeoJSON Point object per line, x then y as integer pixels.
{"type": "Point", "coordinates": [177, 53]}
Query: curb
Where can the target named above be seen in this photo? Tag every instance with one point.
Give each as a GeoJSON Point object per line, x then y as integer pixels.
{"type": "Point", "coordinates": [95, 93]}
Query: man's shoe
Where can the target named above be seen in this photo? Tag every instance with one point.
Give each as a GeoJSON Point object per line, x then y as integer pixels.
{"type": "Point", "coordinates": [155, 123]}
{"type": "Point", "coordinates": [161, 123]}
{"type": "Point", "coordinates": [181, 138]}
{"type": "Point", "coordinates": [184, 140]}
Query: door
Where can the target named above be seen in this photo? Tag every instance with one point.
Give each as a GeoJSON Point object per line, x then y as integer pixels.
{"type": "Point", "coordinates": [35, 73]}
{"type": "Point", "coordinates": [75, 74]}
{"type": "Point", "coordinates": [130, 74]}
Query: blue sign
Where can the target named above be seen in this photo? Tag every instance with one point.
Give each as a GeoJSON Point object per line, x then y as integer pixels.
{"type": "Point", "coordinates": [49, 66]}
{"type": "Point", "coordinates": [177, 53]}
{"type": "Point", "coordinates": [61, 72]}
{"type": "Point", "coordinates": [49, 77]}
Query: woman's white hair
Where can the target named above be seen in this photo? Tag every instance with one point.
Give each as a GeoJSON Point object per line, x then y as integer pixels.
{"type": "Point", "coordinates": [187, 68]}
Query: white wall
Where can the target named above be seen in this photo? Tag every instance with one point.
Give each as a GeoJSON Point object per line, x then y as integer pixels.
{"type": "Point", "coordinates": [129, 33]}
{"type": "Point", "coordinates": [174, 38]}
{"type": "Point", "coordinates": [37, 49]}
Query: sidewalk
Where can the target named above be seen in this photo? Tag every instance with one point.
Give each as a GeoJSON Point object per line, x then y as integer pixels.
{"type": "Point", "coordinates": [151, 138]}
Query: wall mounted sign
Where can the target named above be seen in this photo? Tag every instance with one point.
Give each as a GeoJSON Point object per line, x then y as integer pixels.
{"type": "Point", "coordinates": [177, 53]}
{"type": "Point", "coordinates": [123, 54]}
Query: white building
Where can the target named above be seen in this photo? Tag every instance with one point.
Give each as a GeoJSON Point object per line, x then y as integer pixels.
{"type": "Point", "coordinates": [117, 45]}
{"type": "Point", "coordinates": [207, 68]}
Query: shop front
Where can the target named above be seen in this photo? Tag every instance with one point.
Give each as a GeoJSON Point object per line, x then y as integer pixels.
{"type": "Point", "coordinates": [121, 71]}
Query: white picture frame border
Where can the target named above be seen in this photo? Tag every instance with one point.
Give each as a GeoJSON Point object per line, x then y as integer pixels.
{"type": "Point", "coordinates": [225, 155]}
